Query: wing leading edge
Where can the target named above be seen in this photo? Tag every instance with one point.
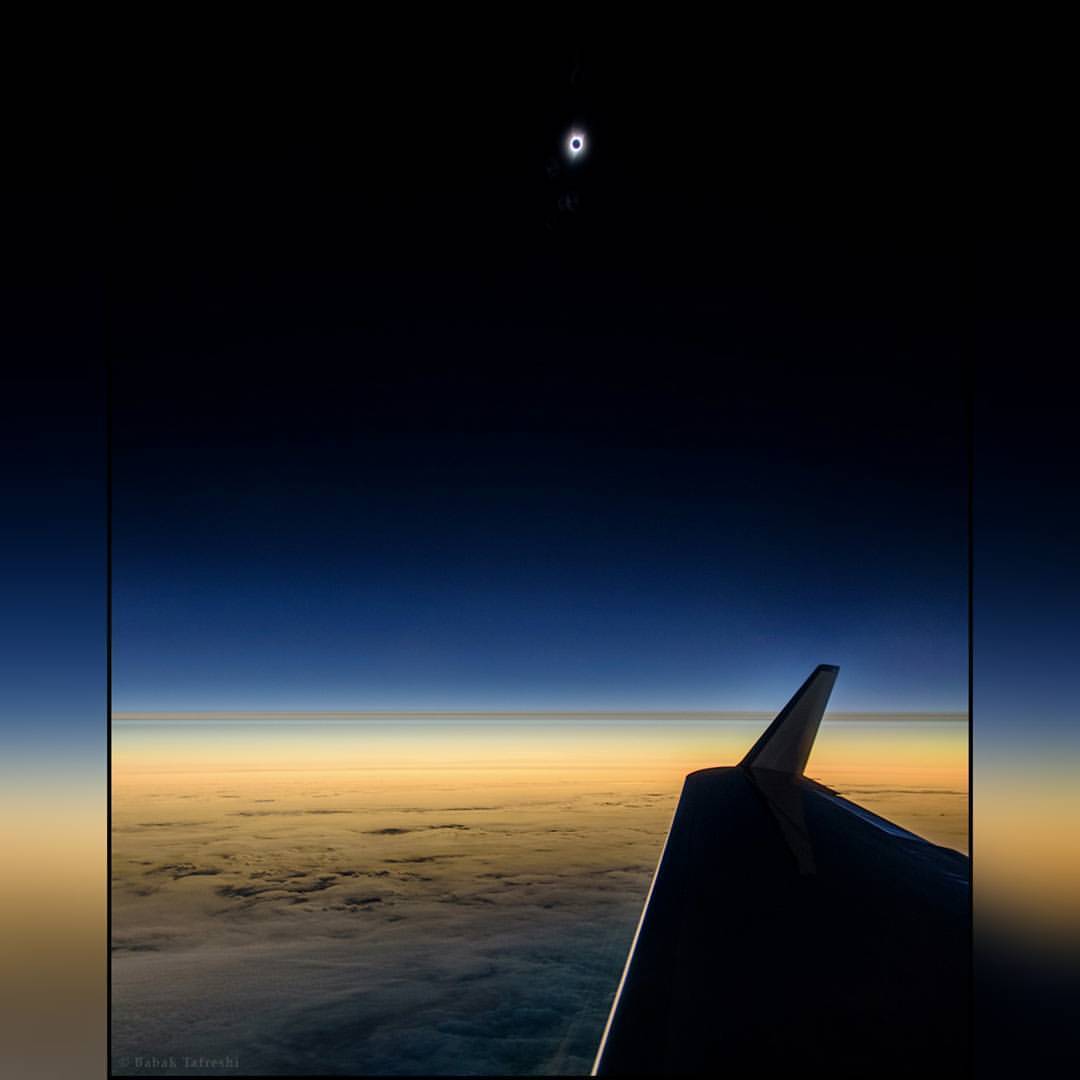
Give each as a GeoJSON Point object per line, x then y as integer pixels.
{"type": "Point", "coordinates": [789, 928]}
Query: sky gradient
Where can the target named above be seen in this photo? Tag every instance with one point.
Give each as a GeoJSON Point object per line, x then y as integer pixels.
{"type": "Point", "coordinates": [640, 433]}
{"type": "Point", "coordinates": [857, 239]}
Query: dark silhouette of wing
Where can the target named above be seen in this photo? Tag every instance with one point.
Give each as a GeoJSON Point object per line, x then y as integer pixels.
{"type": "Point", "coordinates": [788, 928]}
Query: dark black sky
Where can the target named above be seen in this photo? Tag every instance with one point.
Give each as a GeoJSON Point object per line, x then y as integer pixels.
{"type": "Point", "coordinates": [821, 233]}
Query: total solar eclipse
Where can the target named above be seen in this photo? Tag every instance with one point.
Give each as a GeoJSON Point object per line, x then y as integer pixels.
{"type": "Point", "coordinates": [575, 144]}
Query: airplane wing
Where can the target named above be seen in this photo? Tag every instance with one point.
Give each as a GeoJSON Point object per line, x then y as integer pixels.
{"type": "Point", "coordinates": [788, 928]}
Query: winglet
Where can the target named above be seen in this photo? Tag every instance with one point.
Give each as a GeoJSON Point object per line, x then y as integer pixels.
{"type": "Point", "coordinates": [786, 743]}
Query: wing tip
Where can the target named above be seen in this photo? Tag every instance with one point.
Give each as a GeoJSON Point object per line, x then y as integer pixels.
{"type": "Point", "coordinates": [785, 744]}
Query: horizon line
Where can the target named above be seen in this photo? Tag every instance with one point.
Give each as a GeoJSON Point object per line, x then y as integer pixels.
{"type": "Point", "coordinates": [731, 714]}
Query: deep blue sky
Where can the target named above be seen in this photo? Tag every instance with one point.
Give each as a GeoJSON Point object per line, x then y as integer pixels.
{"type": "Point", "coordinates": [399, 429]}
{"type": "Point", "coordinates": [502, 571]}
{"type": "Point", "coordinates": [53, 642]}
{"type": "Point", "coordinates": [526, 533]}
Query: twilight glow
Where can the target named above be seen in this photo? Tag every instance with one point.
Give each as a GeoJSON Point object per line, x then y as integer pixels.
{"type": "Point", "coordinates": [432, 888]}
